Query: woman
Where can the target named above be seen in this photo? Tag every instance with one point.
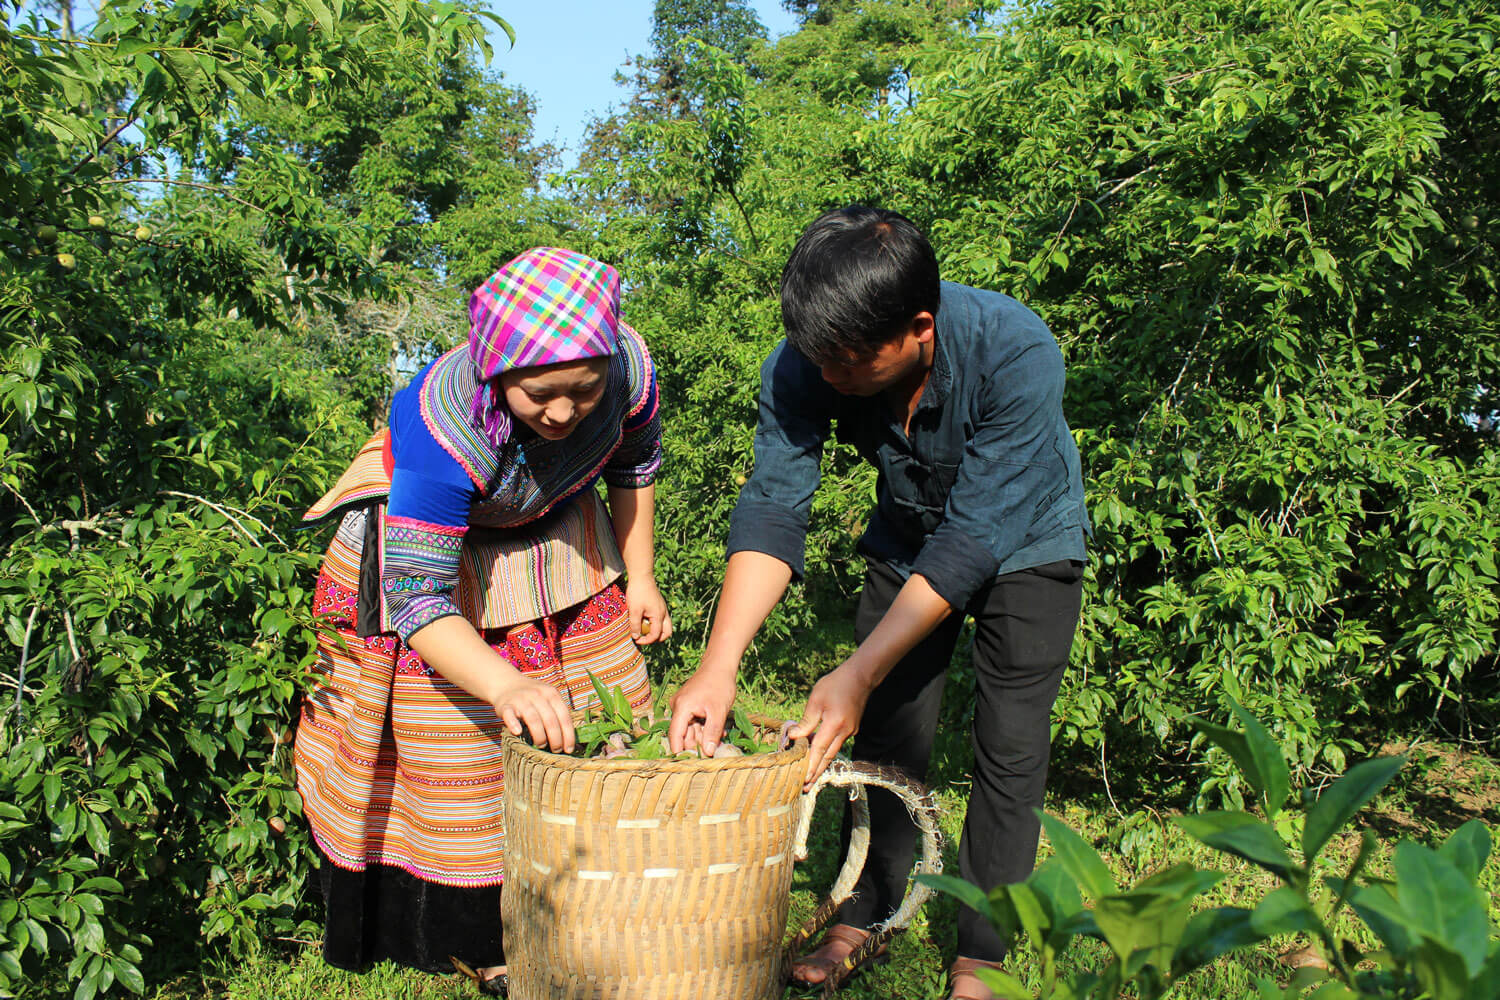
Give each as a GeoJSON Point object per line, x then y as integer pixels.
{"type": "Point", "coordinates": [472, 584]}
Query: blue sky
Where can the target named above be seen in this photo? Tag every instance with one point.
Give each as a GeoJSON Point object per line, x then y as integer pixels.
{"type": "Point", "coordinates": [567, 52]}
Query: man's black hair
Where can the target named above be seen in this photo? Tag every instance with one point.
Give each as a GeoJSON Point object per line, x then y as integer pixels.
{"type": "Point", "coordinates": [855, 280]}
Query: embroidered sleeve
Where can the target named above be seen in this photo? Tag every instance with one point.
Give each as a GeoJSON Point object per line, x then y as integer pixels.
{"type": "Point", "coordinates": [425, 523]}
{"type": "Point", "coordinates": [637, 461]}
{"type": "Point", "coordinates": [419, 572]}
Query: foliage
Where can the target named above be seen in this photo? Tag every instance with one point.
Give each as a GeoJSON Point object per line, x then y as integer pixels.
{"type": "Point", "coordinates": [1430, 917]}
{"type": "Point", "coordinates": [1245, 222]}
{"type": "Point", "coordinates": [612, 729]}
{"type": "Point", "coordinates": [171, 394]}
{"type": "Point", "coordinates": [1264, 235]}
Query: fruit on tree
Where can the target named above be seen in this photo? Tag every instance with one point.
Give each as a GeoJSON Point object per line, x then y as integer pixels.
{"type": "Point", "coordinates": [96, 222]}
{"type": "Point", "coordinates": [46, 234]}
{"type": "Point", "coordinates": [143, 232]}
{"type": "Point", "coordinates": [66, 261]}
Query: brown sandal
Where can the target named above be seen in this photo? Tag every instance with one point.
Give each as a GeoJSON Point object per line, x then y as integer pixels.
{"type": "Point", "coordinates": [964, 984]}
{"type": "Point", "coordinates": [843, 939]}
{"type": "Point", "coordinates": [497, 985]}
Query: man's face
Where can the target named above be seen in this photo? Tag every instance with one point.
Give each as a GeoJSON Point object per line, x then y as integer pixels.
{"type": "Point", "coordinates": [894, 363]}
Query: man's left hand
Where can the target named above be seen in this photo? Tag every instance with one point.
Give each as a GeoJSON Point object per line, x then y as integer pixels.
{"type": "Point", "coordinates": [832, 716]}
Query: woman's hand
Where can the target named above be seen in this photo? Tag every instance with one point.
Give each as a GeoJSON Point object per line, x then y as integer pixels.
{"type": "Point", "coordinates": [650, 621]}
{"type": "Point", "coordinates": [539, 709]}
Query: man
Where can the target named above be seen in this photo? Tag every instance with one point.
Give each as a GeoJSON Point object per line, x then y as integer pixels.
{"type": "Point", "coordinates": [955, 395]}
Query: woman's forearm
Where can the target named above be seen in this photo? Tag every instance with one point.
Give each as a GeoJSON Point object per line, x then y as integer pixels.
{"type": "Point", "coordinates": [632, 512]}
{"type": "Point", "coordinates": [453, 648]}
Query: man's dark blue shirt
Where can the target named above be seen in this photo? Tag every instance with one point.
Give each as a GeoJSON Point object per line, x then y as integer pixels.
{"type": "Point", "coordinates": [986, 482]}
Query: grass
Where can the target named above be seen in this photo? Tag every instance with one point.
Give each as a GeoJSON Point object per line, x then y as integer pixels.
{"type": "Point", "coordinates": [1441, 789]}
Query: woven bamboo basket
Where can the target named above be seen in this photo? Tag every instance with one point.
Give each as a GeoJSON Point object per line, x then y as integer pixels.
{"type": "Point", "coordinates": [654, 879]}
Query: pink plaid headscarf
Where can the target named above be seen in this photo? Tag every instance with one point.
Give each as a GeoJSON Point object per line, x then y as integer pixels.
{"type": "Point", "coordinates": [543, 307]}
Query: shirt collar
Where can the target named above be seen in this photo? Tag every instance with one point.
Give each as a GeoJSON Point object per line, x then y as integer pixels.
{"type": "Point", "coordinates": [941, 379]}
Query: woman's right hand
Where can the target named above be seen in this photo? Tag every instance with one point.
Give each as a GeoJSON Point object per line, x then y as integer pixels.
{"type": "Point", "coordinates": [539, 709]}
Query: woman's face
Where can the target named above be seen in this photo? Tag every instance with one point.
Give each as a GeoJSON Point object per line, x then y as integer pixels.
{"type": "Point", "coordinates": [553, 399]}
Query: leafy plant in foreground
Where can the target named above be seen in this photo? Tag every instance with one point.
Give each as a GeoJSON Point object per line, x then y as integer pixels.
{"type": "Point", "coordinates": [1429, 916]}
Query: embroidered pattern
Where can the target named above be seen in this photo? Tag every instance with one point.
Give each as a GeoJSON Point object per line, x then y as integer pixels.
{"type": "Point", "coordinates": [420, 572]}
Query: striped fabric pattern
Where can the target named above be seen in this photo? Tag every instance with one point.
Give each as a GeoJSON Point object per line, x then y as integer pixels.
{"type": "Point", "coordinates": [637, 460]}
{"type": "Point", "coordinates": [399, 767]}
{"type": "Point", "coordinates": [509, 577]}
{"type": "Point", "coordinates": [368, 478]}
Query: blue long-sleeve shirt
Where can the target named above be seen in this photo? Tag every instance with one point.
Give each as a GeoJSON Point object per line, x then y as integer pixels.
{"type": "Point", "coordinates": [987, 482]}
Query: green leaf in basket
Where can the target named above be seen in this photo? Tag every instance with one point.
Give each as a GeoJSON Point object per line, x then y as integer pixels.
{"type": "Point", "coordinates": [743, 734]}
{"type": "Point", "coordinates": [648, 748]}
{"type": "Point", "coordinates": [600, 692]}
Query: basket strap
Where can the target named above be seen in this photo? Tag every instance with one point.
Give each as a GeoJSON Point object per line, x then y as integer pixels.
{"type": "Point", "coordinates": [923, 809]}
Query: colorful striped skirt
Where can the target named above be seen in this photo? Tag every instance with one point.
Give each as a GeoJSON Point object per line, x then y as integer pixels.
{"type": "Point", "coordinates": [396, 766]}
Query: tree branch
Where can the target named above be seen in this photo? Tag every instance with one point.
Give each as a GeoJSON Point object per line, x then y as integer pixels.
{"type": "Point", "coordinates": [1122, 185]}
{"type": "Point", "coordinates": [113, 134]}
{"type": "Point", "coordinates": [216, 188]}
{"type": "Point", "coordinates": [1213, 541]}
{"type": "Point", "coordinates": [225, 511]}
{"type": "Point", "coordinates": [25, 655]}
{"type": "Point", "coordinates": [17, 493]}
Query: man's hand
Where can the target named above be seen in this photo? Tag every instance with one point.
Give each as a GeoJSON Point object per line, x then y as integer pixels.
{"type": "Point", "coordinates": [540, 709]}
{"type": "Point", "coordinates": [832, 716]}
{"type": "Point", "coordinates": [699, 709]}
{"type": "Point", "coordinates": [650, 621]}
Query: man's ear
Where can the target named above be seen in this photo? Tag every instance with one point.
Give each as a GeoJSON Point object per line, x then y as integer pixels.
{"type": "Point", "coordinates": [923, 327]}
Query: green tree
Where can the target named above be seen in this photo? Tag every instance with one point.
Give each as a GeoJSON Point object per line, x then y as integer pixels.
{"type": "Point", "coordinates": [166, 406]}
{"type": "Point", "coordinates": [1265, 237]}
{"type": "Point", "coordinates": [1248, 227]}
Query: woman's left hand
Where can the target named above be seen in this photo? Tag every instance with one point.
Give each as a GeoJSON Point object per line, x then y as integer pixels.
{"type": "Point", "coordinates": [650, 621]}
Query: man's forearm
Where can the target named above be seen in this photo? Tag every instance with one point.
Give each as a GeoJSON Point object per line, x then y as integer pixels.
{"type": "Point", "coordinates": [753, 583]}
{"type": "Point", "coordinates": [916, 611]}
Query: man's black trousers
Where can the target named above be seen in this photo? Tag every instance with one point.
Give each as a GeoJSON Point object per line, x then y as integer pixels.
{"type": "Point", "coordinates": [1024, 624]}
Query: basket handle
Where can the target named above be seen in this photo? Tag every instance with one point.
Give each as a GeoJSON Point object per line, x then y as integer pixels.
{"type": "Point", "coordinates": [857, 777]}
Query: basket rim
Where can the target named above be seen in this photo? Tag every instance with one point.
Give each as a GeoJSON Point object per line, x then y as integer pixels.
{"type": "Point", "coordinates": [512, 744]}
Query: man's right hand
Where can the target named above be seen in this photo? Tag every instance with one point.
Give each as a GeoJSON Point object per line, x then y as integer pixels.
{"type": "Point", "coordinates": [699, 709]}
{"type": "Point", "coordinates": [753, 583]}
